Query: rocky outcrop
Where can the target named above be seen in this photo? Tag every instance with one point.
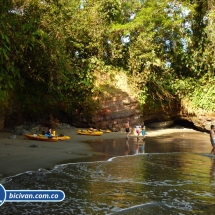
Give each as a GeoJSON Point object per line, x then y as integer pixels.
{"type": "Point", "coordinates": [117, 103]}
{"type": "Point", "coordinates": [202, 120]}
{"type": "Point", "coordinates": [163, 124]}
{"type": "Point", "coordinates": [116, 110]}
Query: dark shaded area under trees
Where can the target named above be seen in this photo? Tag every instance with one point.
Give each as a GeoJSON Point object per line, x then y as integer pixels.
{"type": "Point", "coordinates": [53, 50]}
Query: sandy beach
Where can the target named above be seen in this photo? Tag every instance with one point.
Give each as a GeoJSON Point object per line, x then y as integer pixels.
{"type": "Point", "coordinates": [20, 154]}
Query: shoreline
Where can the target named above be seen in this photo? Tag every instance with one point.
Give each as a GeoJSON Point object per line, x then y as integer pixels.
{"type": "Point", "coordinates": [20, 155]}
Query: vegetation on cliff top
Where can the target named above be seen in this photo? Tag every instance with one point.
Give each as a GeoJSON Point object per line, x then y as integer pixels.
{"type": "Point", "coordinates": [54, 51]}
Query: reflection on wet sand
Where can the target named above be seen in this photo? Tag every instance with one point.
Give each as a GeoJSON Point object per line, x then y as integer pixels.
{"type": "Point", "coordinates": [137, 146]}
{"type": "Point", "coordinates": [104, 149]}
{"type": "Point", "coordinates": [158, 182]}
{"type": "Point", "coordinates": [126, 146]}
{"type": "Point", "coordinates": [212, 172]}
{"type": "Point", "coordinates": [143, 147]}
{"type": "Point", "coordinates": [159, 144]}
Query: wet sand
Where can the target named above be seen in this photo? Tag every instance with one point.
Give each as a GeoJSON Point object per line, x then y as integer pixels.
{"type": "Point", "coordinates": [20, 154]}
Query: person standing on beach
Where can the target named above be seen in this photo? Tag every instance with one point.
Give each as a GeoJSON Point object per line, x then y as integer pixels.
{"type": "Point", "coordinates": [143, 130]}
{"type": "Point", "coordinates": [138, 127]}
{"type": "Point", "coordinates": [127, 129]}
{"type": "Point", "coordinates": [212, 138]}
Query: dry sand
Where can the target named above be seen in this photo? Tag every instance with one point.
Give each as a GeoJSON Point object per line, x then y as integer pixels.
{"type": "Point", "coordinates": [20, 154]}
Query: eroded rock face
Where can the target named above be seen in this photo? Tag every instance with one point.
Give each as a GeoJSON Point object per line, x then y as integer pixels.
{"type": "Point", "coordinates": [201, 120]}
{"type": "Point", "coordinates": [116, 110]}
{"type": "Point", "coordinates": [117, 104]}
{"type": "Point", "coordinates": [163, 124]}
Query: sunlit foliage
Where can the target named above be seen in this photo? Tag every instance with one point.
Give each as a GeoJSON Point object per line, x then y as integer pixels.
{"type": "Point", "coordinates": [52, 51]}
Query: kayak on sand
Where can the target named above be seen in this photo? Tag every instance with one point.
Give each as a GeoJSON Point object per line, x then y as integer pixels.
{"type": "Point", "coordinates": [41, 137]}
{"type": "Point", "coordinates": [90, 133]}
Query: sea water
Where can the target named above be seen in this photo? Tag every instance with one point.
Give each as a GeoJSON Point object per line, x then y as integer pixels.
{"type": "Point", "coordinates": [172, 174]}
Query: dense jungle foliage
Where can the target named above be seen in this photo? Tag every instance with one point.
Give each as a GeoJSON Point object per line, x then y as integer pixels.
{"type": "Point", "coordinates": [54, 51]}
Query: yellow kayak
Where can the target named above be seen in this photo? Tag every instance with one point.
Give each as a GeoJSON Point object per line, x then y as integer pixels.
{"type": "Point", "coordinates": [41, 137]}
{"type": "Point", "coordinates": [108, 131]}
{"type": "Point", "coordinates": [59, 137]}
{"type": "Point", "coordinates": [104, 131]}
{"type": "Point", "coordinates": [63, 137]}
{"type": "Point", "coordinates": [90, 133]}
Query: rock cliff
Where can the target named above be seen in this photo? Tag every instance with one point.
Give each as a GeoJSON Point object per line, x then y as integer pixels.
{"type": "Point", "coordinates": [118, 103]}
